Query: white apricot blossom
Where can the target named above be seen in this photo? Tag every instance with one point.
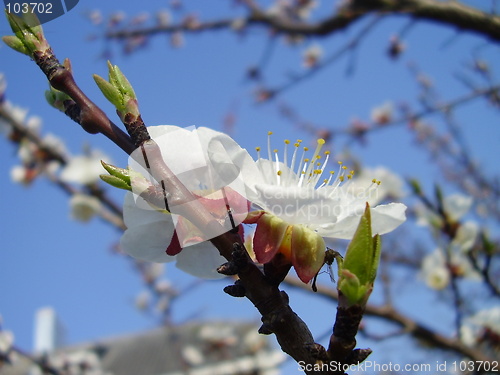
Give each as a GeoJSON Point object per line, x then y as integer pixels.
{"type": "Point", "coordinates": [434, 271]}
{"type": "Point", "coordinates": [299, 190]}
{"type": "Point", "coordinates": [84, 169]}
{"type": "Point", "coordinates": [383, 114]}
{"type": "Point", "coordinates": [294, 205]}
{"type": "Point", "coordinates": [298, 204]}
{"type": "Point", "coordinates": [157, 234]}
{"type": "Point", "coordinates": [474, 326]}
{"type": "Point", "coordinates": [455, 207]}
{"type": "Point", "coordinates": [84, 207]}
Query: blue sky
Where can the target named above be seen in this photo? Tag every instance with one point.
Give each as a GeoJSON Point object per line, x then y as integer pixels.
{"type": "Point", "coordinates": [47, 259]}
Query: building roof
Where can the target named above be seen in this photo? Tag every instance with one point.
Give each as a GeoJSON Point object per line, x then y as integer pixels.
{"type": "Point", "coordinates": [213, 348]}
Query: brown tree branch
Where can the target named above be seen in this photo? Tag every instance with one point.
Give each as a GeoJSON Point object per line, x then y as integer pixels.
{"type": "Point", "coordinates": [449, 13]}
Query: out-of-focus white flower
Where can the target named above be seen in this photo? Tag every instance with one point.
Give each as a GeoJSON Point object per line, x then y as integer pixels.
{"type": "Point", "coordinates": [278, 9]}
{"type": "Point", "coordinates": [17, 113]}
{"type": "Point", "coordinates": [455, 207]}
{"type": "Point", "coordinates": [434, 271]}
{"type": "Point", "coordinates": [466, 236]}
{"type": "Point", "coordinates": [154, 271]}
{"type": "Point", "coordinates": [142, 300]}
{"type": "Point", "coordinates": [163, 18]}
{"type": "Point", "coordinates": [84, 169]}
{"type": "Point", "coordinates": [164, 287]}
{"type": "Point", "coordinates": [305, 8]}
{"type": "Point", "coordinates": [95, 16]}
{"type": "Point", "coordinates": [488, 318]}
{"type": "Point", "coordinates": [383, 114]}
{"type": "Point", "coordinates": [55, 144]}
{"type": "Point", "coordinates": [27, 151]}
{"type": "Point", "coordinates": [21, 175]}
{"type": "Point", "coordinates": [238, 24]}
{"type": "Point", "coordinates": [312, 56]}
{"type": "Point", "coordinates": [34, 124]}
{"type": "Point", "coordinates": [474, 326]}
{"type": "Point", "coordinates": [84, 207]}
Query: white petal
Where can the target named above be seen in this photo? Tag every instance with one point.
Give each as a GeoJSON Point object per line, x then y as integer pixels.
{"type": "Point", "coordinates": [456, 205]}
{"type": "Point", "coordinates": [140, 213]}
{"type": "Point", "coordinates": [385, 218]}
{"type": "Point", "coordinates": [201, 260]}
{"type": "Point", "coordinates": [84, 169]}
{"type": "Point", "coordinates": [149, 241]}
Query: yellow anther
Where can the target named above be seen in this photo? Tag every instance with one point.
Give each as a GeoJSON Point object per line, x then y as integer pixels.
{"type": "Point", "coordinates": [327, 152]}
{"type": "Point", "coordinates": [344, 167]}
{"type": "Point", "coordinates": [325, 181]}
{"type": "Point", "coordinates": [341, 178]}
{"type": "Point", "coordinates": [279, 173]}
{"type": "Point", "coordinates": [299, 140]}
{"type": "Point", "coordinates": [340, 163]}
{"type": "Point", "coordinates": [332, 172]}
{"type": "Point", "coordinates": [269, 133]}
{"type": "Point", "coordinates": [296, 144]}
{"type": "Point", "coordinates": [379, 182]}
{"type": "Point", "coordinates": [306, 160]}
{"type": "Point", "coordinates": [374, 181]}
{"type": "Point", "coordinates": [318, 156]}
{"type": "Point", "coordinates": [287, 142]}
{"type": "Point", "coordinates": [321, 141]}
{"type": "Point", "coordinates": [318, 164]}
{"type": "Point", "coordinates": [257, 149]}
{"type": "Point", "coordinates": [306, 148]}
{"type": "Point", "coordinates": [349, 176]}
{"type": "Point", "coordinates": [275, 150]}
{"type": "Point", "coordinates": [351, 173]}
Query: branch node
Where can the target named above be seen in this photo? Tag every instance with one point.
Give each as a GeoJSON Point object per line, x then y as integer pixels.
{"type": "Point", "coordinates": [357, 356]}
{"type": "Point", "coordinates": [235, 290]}
{"type": "Point", "coordinates": [265, 329]}
{"type": "Point", "coordinates": [239, 261]}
